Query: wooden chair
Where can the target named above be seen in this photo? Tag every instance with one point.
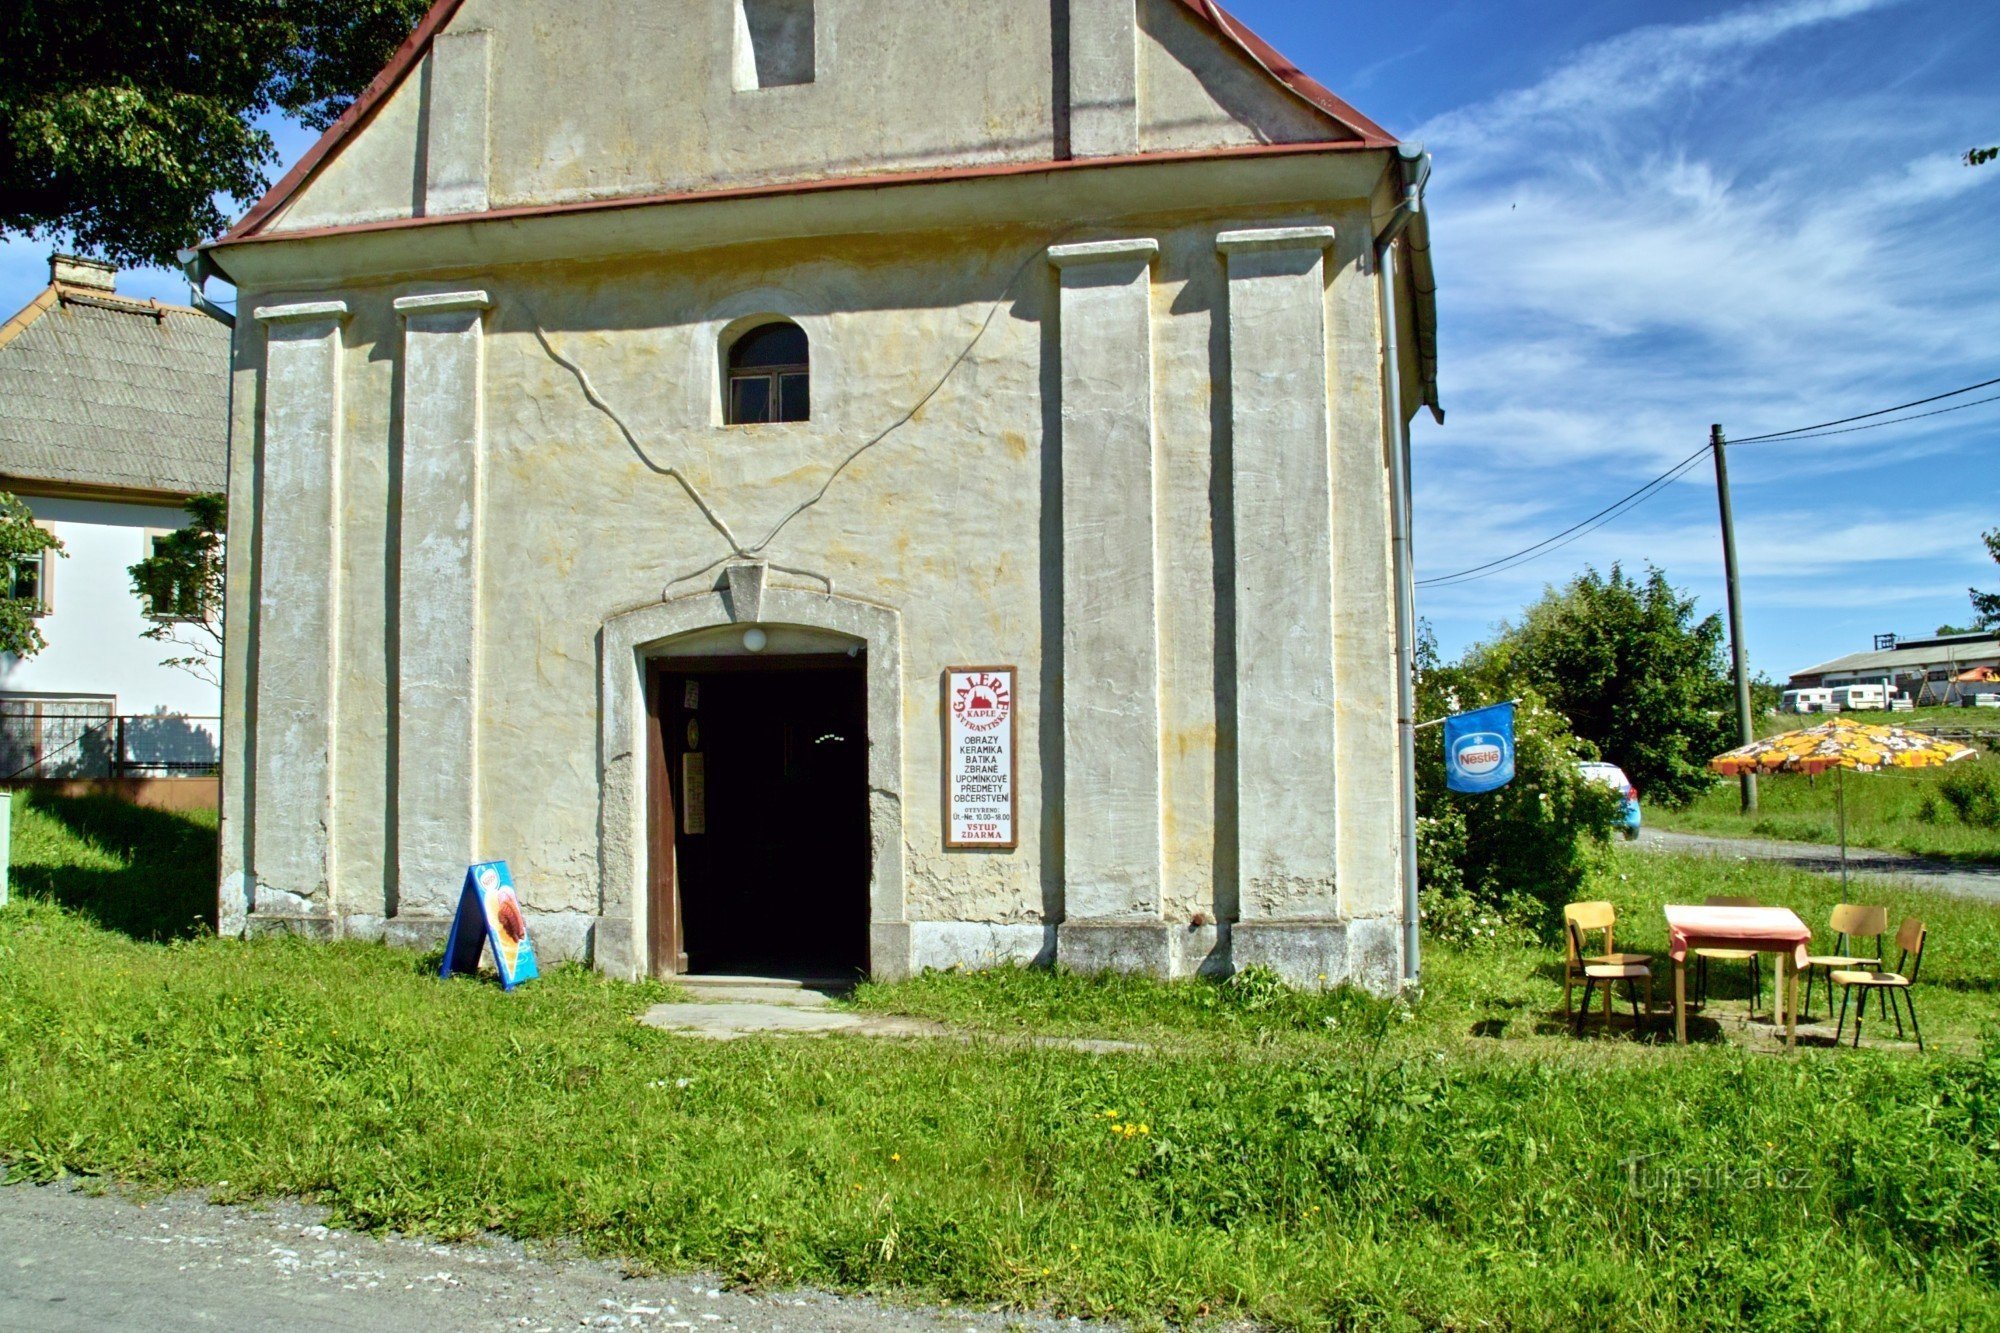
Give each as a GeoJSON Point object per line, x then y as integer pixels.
{"type": "Point", "coordinates": [1851, 923]}
{"type": "Point", "coordinates": [1607, 967]}
{"type": "Point", "coordinates": [1910, 940]}
{"type": "Point", "coordinates": [1702, 958]}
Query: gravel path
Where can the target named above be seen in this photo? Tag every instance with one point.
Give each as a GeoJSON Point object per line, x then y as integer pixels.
{"type": "Point", "coordinates": [70, 1261]}
{"type": "Point", "coordinates": [1943, 876]}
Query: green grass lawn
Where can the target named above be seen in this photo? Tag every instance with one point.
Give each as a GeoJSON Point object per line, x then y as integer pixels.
{"type": "Point", "coordinates": [1301, 1160]}
{"type": "Point", "coordinates": [1919, 719]}
{"type": "Point", "coordinates": [1896, 811]}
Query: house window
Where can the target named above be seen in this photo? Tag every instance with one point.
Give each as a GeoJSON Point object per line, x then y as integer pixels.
{"type": "Point", "coordinates": [770, 376]}
{"type": "Point", "coordinates": [774, 43]}
{"type": "Point", "coordinates": [166, 596]}
{"type": "Point", "coordinates": [31, 582]}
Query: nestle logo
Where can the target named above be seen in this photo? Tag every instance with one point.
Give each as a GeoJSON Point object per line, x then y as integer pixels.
{"type": "Point", "coordinates": [1480, 754]}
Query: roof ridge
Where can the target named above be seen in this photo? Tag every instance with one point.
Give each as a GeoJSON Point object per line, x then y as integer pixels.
{"type": "Point", "coordinates": [148, 305]}
{"type": "Point", "coordinates": [71, 294]}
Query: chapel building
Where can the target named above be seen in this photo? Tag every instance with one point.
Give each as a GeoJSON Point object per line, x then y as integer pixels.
{"type": "Point", "coordinates": [827, 487]}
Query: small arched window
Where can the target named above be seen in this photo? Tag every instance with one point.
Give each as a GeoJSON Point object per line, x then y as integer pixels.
{"type": "Point", "coordinates": [770, 375]}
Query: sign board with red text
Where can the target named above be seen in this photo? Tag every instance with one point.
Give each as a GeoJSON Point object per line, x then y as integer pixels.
{"type": "Point", "coordinates": [979, 706]}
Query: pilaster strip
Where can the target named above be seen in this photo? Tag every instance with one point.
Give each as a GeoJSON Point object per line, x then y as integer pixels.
{"type": "Point", "coordinates": [1111, 706]}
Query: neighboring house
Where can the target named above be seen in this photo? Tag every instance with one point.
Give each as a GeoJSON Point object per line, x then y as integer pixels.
{"type": "Point", "coordinates": [664, 439]}
{"type": "Point", "coordinates": [1931, 671]}
{"type": "Point", "coordinates": [112, 412]}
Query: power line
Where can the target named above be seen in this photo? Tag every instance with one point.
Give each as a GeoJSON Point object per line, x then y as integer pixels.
{"type": "Point", "coordinates": [1873, 425]}
{"type": "Point", "coordinates": [1879, 412]}
{"type": "Point", "coordinates": [1634, 499]}
{"type": "Point", "coordinates": [1561, 539]}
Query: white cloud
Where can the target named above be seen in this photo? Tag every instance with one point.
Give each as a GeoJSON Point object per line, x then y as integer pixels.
{"type": "Point", "coordinates": [1636, 71]}
{"type": "Point", "coordinates": [1731, 220]}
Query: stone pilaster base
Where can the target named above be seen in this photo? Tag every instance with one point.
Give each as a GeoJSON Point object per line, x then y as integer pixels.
{"type": "Point", "coordinates": [889, 950]}
{"type": "Point", "coordinates": [1320, 952]}
{"type": "Point", "coordinates": [265, 925]}
{"type": "Point", "coordinates": [1143, 947]}
{"type": "Point", "coordinates": [615, 950]}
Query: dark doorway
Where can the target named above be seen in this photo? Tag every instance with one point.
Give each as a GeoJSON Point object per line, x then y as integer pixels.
{"type": "Point", "coordinates": [766, 767]}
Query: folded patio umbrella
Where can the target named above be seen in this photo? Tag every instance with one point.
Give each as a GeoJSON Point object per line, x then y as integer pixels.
{"type": "Point", "coordinates": [1839, 744]}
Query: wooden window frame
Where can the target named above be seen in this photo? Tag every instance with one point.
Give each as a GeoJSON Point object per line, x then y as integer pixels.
{"type": "Point", "coordinates": [45, 592]}
{"type": "Point", "coordinates": [773, 378]}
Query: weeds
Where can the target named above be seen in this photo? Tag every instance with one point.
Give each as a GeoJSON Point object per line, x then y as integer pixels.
{"type": "Point", "coordinates": [1300, 1159]}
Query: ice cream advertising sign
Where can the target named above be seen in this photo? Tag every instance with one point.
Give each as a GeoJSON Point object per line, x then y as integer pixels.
{"type": "Point", "coordinates": [489, 910]}
{"type": "Point", "coordinates": [1479, 749]}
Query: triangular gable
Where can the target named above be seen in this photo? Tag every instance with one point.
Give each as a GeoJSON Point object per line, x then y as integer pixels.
{"type": "Point", "coordinates": [1282, 71]}
{"type": "Point", "coordinates": [1266, 100]}
{"type": "Point", "coordinates": [359, 113]}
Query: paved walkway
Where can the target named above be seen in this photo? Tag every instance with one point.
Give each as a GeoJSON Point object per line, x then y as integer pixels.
{"type": "Point", "coordinates": [729, 1008]}
{"type": "Point", "coordinates": [69, 1261]}
{"type": "Point", "coordinates": [1866, 862]}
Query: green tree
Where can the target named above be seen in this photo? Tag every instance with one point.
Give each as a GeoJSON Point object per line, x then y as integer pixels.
{"type": "Point", "coordinates": [1634, 672]}
{"type": "Point", "coordinates": [1979, 157]}
{"type": "Point", "coordinates": [1986, 605]}
{"type": "Point", "coordinates": [120, 122]}
{"type": "Point", "coordinates": [25, 547]}
{"type": "Point", "coordinates": [1501, 862]}
{"type": "Point", "coordinates": [181, 586]}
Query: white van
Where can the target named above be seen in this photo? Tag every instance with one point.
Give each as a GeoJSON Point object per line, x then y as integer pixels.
{"type": "Point", "coordinates": [1804, 701]}
{"type": "Point", "coordinates": [1859, 698]}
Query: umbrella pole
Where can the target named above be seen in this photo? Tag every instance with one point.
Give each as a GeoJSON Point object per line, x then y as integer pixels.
{"type": "Point", "coordinates": [1840, 796]}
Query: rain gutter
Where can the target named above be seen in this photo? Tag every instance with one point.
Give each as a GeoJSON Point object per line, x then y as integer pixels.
{"type": "Point", "coordinates": [1413, 169]}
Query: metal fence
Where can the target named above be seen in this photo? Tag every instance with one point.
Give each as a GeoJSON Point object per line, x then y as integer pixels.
{"type": "Point", "coordinates": [85, 739]}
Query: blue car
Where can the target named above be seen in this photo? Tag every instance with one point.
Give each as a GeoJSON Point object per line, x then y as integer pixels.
{"type": "Point", "coordinates": [1612, 776]}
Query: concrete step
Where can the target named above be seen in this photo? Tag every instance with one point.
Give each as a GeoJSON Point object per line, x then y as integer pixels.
{"type": "Point", "coordinates": [834, 984]}
{"type": "Point", "coordinates": [788, 992]}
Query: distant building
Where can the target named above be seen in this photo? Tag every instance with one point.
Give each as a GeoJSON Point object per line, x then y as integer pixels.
{"type": "Point", "coordinates": [113, 412]}
{"type": "Point", "coordinates": [1931, 671]}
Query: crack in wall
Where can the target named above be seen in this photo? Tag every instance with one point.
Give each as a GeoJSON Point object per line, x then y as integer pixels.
{"type": "Point", "coordinates": [737, 550]}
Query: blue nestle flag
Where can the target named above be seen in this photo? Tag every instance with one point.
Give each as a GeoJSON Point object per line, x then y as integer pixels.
{"type": "Point", "coordinates": [1479, 749]}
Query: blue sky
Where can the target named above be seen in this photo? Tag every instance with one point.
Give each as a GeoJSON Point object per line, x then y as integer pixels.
{"type": "Point", "coordinates": [1652, 216]}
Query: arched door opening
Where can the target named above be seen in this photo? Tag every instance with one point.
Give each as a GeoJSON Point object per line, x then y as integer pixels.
{"type": "Point", "coordinates": [760, 831]}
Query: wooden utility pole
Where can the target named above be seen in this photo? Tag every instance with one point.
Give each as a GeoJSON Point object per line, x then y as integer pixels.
{"type": "Point", "coordinates": [1745, 727]}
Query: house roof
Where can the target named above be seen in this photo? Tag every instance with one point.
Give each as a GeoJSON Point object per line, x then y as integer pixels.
{"type": "Point", "coordinates": [1890, 659]}
{"type": "Point", "coordinates": [102, 391]}
{"type": "Point", "coordinates": [1350, 125]}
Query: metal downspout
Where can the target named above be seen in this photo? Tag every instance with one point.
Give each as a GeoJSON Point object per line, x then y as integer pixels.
{"type": "Point", "coordinates": [197, 267]}
{"type": "Point", "coordinates": [1415, 171]}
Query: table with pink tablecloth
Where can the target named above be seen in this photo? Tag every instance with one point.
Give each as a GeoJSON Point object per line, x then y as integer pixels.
{"type": "Point", "coordinates": [1772, 930]}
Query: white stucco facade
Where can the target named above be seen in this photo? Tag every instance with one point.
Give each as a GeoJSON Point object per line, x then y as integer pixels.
{"type": "Point", "coordinates": [1114, 420]}
{"type": "Point", "coordinates": [94, 626]}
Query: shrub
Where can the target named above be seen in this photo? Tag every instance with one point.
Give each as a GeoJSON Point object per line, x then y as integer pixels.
{"type": "Point", "coordinates": [1517, 854]}
{"type": "Point", "coordinates": [1973, 793]}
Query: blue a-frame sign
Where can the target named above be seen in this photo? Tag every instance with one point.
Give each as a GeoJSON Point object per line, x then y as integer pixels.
{"type": "Point", "coordinates": [489, 910]}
